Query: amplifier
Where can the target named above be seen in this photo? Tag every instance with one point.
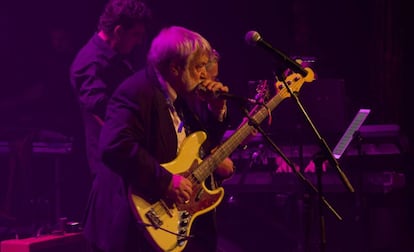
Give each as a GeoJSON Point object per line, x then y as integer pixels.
{"type": "Point", "coordinates": [70, 242]}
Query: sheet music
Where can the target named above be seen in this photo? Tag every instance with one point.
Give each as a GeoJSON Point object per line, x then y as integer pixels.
{"type": "Point", "coordinates": [349, 133]}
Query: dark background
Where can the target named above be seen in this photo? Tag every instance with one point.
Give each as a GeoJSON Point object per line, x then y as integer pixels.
{"type": "Point", "coordinates": [364, 43]}
{"type": "Point", "coordinates": [362, 49]}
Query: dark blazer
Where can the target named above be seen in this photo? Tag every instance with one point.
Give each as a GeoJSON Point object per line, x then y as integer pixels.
{"type": "Point", "coordinates": [95, 73]}
{"type": "Point", "coordinates": [137, 129]}
{"type": "Point", "coordinates": [138, 135]}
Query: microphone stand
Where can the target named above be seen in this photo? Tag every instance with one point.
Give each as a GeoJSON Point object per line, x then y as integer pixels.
{"type": "Point", "coordinates": [318, 191]}
{"type": "Point", "coordinates": [319, 158]}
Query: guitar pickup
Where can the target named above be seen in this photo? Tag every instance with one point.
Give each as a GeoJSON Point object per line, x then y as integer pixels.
{"type": "Point", "coordinates": [153, 218]}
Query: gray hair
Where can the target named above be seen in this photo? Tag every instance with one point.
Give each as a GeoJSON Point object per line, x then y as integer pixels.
{"type": "Point", "coordinates": [175, 44]}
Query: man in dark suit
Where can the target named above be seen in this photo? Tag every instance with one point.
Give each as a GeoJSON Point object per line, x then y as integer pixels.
{"type": "Point", "coordinates": [104, 62]}
{"type": "Point", "coordinates": [97, 70]}
{"type": "Point", "coordinates": [148, 117]}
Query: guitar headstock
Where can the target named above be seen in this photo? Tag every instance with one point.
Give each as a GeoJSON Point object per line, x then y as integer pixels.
{"type": "Point", "coordinates": [295, 82]}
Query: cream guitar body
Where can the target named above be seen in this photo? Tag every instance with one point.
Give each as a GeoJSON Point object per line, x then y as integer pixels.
{"type": "Point", "coordinates": [169, 225]}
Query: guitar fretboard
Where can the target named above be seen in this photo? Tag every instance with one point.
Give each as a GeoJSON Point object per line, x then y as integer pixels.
{"type": "Point", "coordinates": [257, 114]}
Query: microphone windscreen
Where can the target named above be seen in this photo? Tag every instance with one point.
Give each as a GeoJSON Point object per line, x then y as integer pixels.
{"type": "Point", "coordinates": [252, 37]}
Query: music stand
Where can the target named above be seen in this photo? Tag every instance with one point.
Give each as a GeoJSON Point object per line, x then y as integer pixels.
{"type": "Point", "coordinates": [337, 152]}
{"type": "Point", "coordinates": [348, 135]}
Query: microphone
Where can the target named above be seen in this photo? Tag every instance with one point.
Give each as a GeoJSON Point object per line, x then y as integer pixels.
{"type": "Point", "coordinates": [253, 38]}
{"type": "Point", "coordinates": [203, 91]}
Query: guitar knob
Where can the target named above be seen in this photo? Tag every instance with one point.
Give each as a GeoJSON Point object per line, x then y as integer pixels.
{"type": "Point", "coordinates": [184, 223]}
{"type": "Point", "coordinates": [182, 238]}
{"type": "Point", "coordinates": [185, 214]}
{"type": "Point", "coordinates": [181, 241]}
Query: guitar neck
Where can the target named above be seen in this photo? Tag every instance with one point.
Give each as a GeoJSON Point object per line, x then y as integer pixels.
{"type": "Point", "coordinates": [257, 114]}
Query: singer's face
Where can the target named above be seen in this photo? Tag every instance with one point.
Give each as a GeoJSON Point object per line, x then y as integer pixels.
{"type": "Point", "coordinates": [212, 71]}
{"type": "Point", "coordinates": [194, 72]}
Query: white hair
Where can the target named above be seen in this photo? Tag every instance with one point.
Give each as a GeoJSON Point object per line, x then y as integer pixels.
{"type": "Point", "coordinates": [175, 44]}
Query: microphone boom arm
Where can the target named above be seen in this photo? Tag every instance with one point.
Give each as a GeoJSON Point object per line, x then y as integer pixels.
{"type": "Point", "coordinates": [254, 38]}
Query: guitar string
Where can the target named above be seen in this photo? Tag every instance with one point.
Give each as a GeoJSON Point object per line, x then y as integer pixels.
{"type": "Point", "coordinates": [245, 129]}
{"type": "Point", "coordinates": [259, 114]}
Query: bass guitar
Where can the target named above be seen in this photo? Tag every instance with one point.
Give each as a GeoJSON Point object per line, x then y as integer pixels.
{"type": "Point", "coordinates": [168, 225]}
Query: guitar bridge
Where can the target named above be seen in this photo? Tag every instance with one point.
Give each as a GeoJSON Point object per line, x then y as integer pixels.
{"type": "Point", "coordinates": [153, 218]}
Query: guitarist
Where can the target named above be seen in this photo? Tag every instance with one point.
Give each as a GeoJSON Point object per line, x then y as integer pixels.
{"type": "Point", "coordinates": [148, 117]}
